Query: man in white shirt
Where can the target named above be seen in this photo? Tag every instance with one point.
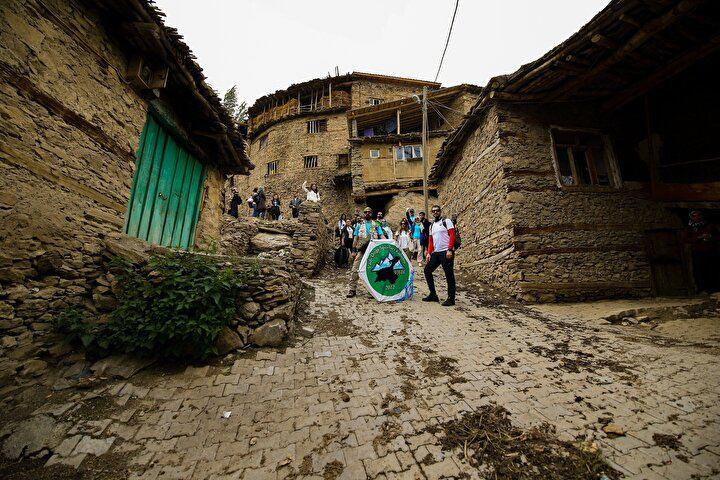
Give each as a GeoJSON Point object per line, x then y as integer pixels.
{"type": "Point", "coordinates": [441, 252]}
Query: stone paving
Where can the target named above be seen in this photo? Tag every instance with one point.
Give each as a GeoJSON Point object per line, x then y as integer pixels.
{"type": "Point", "coordinates": [355, 400]}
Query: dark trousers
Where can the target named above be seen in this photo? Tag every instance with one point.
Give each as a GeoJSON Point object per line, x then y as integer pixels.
{"type": "Point", "coordinates": [437, 259]}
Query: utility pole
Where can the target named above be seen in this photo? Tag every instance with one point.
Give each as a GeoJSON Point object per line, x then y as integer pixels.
{"type": "Point", "coordinates": [424, 149]}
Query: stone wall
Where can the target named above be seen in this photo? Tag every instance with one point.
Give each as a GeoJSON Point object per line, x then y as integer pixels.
{"type": "Point", "coordinates": [396, 207]}
{"type": "Point", "coordinates": [525, 234]}
{"type": "Point", "coordinates": [301, 243]}
{"type": "Point", "coordinates": [288, 143]}
{"type": "Point", "coordinates": [475, 190]}
{"type": "Point", "coordinates": [571, 243]}
{"type": "Point", "coordinates": [363, 91]}
{"type": "Point", "coordinates": [69, 128]}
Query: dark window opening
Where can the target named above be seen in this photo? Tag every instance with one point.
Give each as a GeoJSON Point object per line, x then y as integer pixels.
{"type": "Point", "coordinates": [581, 158]}
{"type": "Point", "coordinates": [317, 126]}
{"type": "Point", "coordinates": [310, 161]}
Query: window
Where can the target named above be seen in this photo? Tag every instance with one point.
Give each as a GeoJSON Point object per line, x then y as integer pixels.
{"type": "Point", "coordinates": [272, 167]}
{"type": "Point", "coordinates": [310, 161]}
{"type": "Point", "coordinates": [408, 152]}
{"type": "Point", "coordinates": [317, 126]}
{"type": "Point", "coordinates": [375, 101]}
{"type": "Point", "coordinates": [263, 142]}
{"type": "Point", "coordinates": [581, 158]}
{"type": "Point", "coordinates": [374, 153]}
{"type": "Point", "coordinates": [343, 160]}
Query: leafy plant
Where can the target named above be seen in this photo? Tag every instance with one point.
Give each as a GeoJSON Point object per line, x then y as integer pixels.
{"type": "Point", "coordinates": [174, 306]}
{"type": "Point", "coordinates": [73, 324]}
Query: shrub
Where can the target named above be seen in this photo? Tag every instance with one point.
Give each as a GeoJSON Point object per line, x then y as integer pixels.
{"type": "Point", "coordinates": [174, 306]}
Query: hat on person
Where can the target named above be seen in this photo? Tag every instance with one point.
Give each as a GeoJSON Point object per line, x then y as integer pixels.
{"type": "Point", "coordinates": [367, 209]}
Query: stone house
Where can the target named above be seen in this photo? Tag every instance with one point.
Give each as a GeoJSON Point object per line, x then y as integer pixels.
{"type": "Point", "coordinates": [302, 133]}
{"type": "Point", "coordinates": [106, 127]}
{"type": "Point", "coordinates": [386, 141]}
{"type": "Point", "coordinates": [573, 176]}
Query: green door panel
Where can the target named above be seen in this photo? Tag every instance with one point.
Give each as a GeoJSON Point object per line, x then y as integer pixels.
{"type": "Point", "coordinates": [164, 200]}
{"type": "Point", "coordinates": [133, 188]}
{"type": "Point", "coordinates": [163, 191]}
{"type": "Point", "coordinates": [152, 183]}
{"type": "Point", "coordinates": [142, 171]}
{"type": "Point", "coordinates": [174, 200]}
{"type": "Point", "coordinates": [193, 202]}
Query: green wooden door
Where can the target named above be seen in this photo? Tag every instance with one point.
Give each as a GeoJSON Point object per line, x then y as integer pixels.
{"type": "Point", "coordinates": [165, 196]}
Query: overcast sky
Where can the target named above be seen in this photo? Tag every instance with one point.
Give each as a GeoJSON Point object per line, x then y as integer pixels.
{"type": "Point", "coordinates": [266, 45]}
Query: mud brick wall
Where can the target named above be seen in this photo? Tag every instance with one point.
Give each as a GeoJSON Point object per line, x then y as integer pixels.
{"type": "Point", "coordinates": [301, 243]}
{"type": "Point", "coordinates": [363, 91]}
{"type": "Point", "coordinates": [69, 128]}
{"type": "Point", "coordinates": [288, 143]}
{"type": "Point", "coordinates": [475, 190]}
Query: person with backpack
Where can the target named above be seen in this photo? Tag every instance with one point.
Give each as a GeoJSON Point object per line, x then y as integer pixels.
{"type": "Point", "coordinates": [441, 252]}
{"type": "Point", "coordinates": [423, 236]}
{"type": "Point", "coordinates": [416, 236]}
{"type": "Point", "coordinates": [260, 207]}
{"type": "Point", "coordinates": [251, 202]}
{"type": "Point", "coordinates": [364, 231]}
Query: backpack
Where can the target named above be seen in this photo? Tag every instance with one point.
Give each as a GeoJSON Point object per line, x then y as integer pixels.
{"type": "Point", "coordinates": [458, 241]}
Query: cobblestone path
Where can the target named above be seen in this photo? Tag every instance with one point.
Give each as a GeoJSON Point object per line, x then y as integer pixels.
{"type": "Point", "coordinates": [355, 400]}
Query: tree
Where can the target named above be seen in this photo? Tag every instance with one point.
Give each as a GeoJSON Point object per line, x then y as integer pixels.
{"type": "Point", "coordinates": [230, 101]}
{"type": "Point", "coordinates": [242, 112]}
{"type": "Point", "coordinates": [238, 112]}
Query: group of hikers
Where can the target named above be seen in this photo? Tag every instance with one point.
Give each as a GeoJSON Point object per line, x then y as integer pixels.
{"type": "Point", "coordinates": [432, 243]}
{"type": "Point", "coordinates": [259, 207]}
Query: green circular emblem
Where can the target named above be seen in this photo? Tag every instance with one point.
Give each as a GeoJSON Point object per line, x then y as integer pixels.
{"type": "Point", "coordinates": [387, 270]}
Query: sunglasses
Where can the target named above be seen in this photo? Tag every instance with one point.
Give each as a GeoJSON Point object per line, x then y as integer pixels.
{"type": "Point", "coordinates": [435, 211]}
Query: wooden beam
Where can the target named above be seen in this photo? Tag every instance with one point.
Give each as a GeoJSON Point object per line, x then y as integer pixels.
{"type": "Point", "coordinates": [641, 36]}
{"type": "Point", "coordinates": [603, 41]}
{"type": "Point", "coordinates": [675, 66]}
{"type": "Point", "coordinates": [398, 121]}
{"type": "Point", "coordinates": [630, 21]}
{"type": "Point", "coordinates": [689, 192]}
{"type": "Point", "coordinates": [393, 191]}
{"type": "Point", "coordinates": [515, 97]}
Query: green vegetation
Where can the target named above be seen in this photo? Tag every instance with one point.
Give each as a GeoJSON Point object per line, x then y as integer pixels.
{"type": "Point", "coordinates": [174, 306]}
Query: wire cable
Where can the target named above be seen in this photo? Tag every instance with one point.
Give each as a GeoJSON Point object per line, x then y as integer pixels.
{"type": "Point", "coordinates": [446, 107]}
{"type": "Point", "coordinates": [447, 41]}
{"type": "Point", "coordinates": [442, 116]}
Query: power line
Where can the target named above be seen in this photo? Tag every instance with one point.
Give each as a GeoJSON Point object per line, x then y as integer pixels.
{"type": "Point", "coordinates": [442, 116]}
{"type": "Point", "coordinates": [447, 42]}
{"type": "Point", "coordinates": [446, 107]}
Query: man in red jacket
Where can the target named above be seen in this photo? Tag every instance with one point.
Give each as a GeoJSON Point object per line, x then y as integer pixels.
{"type": "Point", "coordinates": [441, 251]}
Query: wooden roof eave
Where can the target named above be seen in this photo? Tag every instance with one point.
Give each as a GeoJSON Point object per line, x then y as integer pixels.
{"type": "Point", "coordinates": [153, 37]}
